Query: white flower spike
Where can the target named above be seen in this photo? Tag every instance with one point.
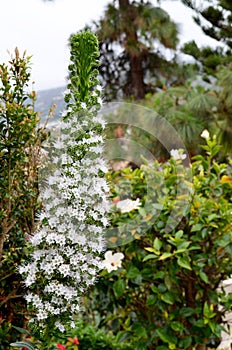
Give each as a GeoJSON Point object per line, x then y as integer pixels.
{"type": "Point", "coordinates": [112, 261]}
{"type": "Point", "coordinates": [67, 248]}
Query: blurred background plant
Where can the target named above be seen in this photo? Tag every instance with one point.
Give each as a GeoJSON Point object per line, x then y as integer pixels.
{"type": "Point", "coordinates": [215, 19]}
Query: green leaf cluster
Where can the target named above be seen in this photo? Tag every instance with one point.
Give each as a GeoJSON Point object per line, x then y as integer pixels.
{"type": "Point", "coordinates": [20, 141]}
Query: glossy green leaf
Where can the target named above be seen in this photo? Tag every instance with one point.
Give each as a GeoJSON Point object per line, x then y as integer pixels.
{"type": "Point", "coordinates": [133, 272]}
{"type": "Point", "coordinates": [150, 256]}
{"type": "Point", "coordinates": [168, 298]}
{"type": "Point", "coordinates": [157, 244]}
{"type": "Point", "coordinates": [165, 256]}
{"type": "Point", "coordinates": [203, 277]}
{"type": "Point", "coordinates": [166, 337]}
{"type": "Point", "coordinates": [184, 262]}
{"type": "Point", "coordinates": [119, 287]}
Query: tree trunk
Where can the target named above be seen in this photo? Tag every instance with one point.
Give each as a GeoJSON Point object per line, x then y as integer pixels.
{"type": "Point", "coordinates": [136, 59]}
{"type": "Point", "coordinates": [137, 82]}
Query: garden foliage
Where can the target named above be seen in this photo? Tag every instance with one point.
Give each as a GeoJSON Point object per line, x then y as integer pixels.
{"type": "Point", "coordinates": [164, 289]}
{"type": "Point", "coordinates": [20, 140]}
{"type": "Point", "coordinates": [169, 292]}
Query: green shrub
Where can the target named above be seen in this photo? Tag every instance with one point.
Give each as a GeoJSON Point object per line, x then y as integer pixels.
{"type": "Point", "coordinates": [92, 338]}
{"type": "Point", "coordinates": [178, 251]}
{"type": "Point", "coordinates": [20, 141]}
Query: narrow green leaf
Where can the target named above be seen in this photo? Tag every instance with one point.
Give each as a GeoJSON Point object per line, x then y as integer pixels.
{"type": "Point", "coordinates": [184, 262]}
{"type": "Point", "coordinates": [212, 217]}
{"type": "Point", "coordinates": [22, 330]}
{"type": "Point", "coordinates": [150, 256]}
{"type": "Point", "coordinates": [157, 244]}
{"type": "Point", "coordinates": [199, 323]}
{"type": "Point", "coordinates": [142, 212]}
{"type": "Point", "coordinates": [119, 287]}
{"type": "Point", "coordinates": [157, 206]}
{"type": "Point", "coordinates": [166, 337]}
{"type": "Point", "coordinates": [203, 277]}
{"type": "Point", "coordinates": [23, 344]}
{"type": "Point", "coordinates": [183, 245]}
{"type": "Point", "coordinates": [159, 274]}
{"type": "Point", "coordinates": [177, 326]}
{"type": "Point", "coordinates": [206, 309]}
{"type": "Point", "coordinates": [149, 249]}
{"type": "Point", "coordinates": [179, 234]}
{"type": "Point", "coordinates": [196, 227]}
{"type": "Point", "coordinates": [165, 256]}
{"type": "Point", "coordinates": [186, 311]}
{"type": "Point", "coordinates": [168, 298]}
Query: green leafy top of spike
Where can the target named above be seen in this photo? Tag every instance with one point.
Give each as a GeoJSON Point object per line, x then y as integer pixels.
{"type": "Point", "coordinates": [83, 70]}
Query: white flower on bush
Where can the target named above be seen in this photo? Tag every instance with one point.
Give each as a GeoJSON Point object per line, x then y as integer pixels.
{"type": "Point", "coordinates": [178, 154]}
{"type": "Point", "coordinates": [127, 205]}
{"type": "Point", "coordinates": [112, 261]}
{"type": "Point", "coordinates": [205, 134]}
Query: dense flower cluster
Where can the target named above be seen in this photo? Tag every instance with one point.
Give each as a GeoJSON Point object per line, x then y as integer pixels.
{"type": "Point", "coordinates": [177, 154]}
{"type": "Point", "coordinates": [67, 247]}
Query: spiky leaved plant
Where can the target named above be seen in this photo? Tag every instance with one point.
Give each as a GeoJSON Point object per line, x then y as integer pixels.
{"type": "Point", "coordinates": [67, 247]}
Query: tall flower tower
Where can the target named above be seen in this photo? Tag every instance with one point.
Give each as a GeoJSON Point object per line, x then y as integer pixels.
{"type": "Point", "coordinates": [67, 248]}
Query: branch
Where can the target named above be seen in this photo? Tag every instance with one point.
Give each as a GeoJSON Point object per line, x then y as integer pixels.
{"type": "Point", "coordinates": [10, 296]}
{"type": "Point", "coordinates": [6, 229]}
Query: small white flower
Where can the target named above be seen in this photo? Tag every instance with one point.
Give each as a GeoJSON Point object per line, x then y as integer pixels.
{"type": "Point", "coordinates": [66, 92]}
{"type": "Point", "coordinates": [205, 134]}
{"type": "Point", "coordinates": [64, 113]}
{"type": "Point", "coordinates": [99, 88]}
{"type": "Point", "coordinates": [29, 297]}
{"type": "Point", "coordinates": [83, 105]}
{"type": "Point", "coordinates": [177, 154]}
{"type": "Point", "coordinates": [64, 269]}
{"type": "Point", "coordinates": [60, 326]}
{"type": "Point", "coordinates": [99, 100]}
{"type": "Point", "coordinates": [42, 314]}
{"type": "Point", "coordinates": [112, 261]}
{"type": "Point", "coordinates": [127, 205]}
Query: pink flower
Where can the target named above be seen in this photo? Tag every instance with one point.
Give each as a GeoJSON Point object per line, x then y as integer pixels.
{"type": "Point", "coordinates": [60, 346]}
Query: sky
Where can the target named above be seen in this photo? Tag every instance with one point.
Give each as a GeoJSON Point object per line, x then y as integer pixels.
{"type": "Point", "coordinates": [42, 28]}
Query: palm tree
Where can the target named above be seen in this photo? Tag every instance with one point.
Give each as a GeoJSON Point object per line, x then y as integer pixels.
{"type": "Point", "coordinates": [133, 36]}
